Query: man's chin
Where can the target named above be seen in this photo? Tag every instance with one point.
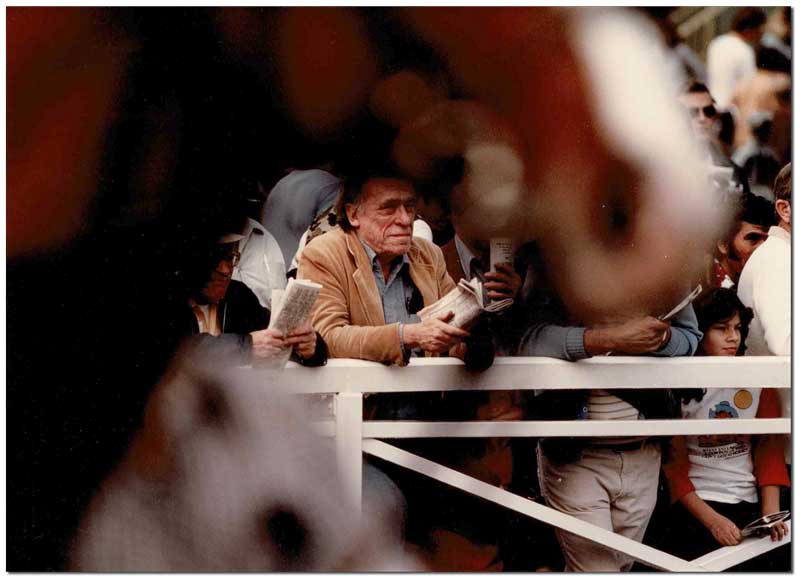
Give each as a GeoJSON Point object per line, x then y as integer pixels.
{"type": "Point", "coordinates": [402, 248]}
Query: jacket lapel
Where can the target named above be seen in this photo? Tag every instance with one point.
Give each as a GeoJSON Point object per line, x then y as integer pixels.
{"type": "Point", "coordinates": [453, 262]}
{"type": "Point", "coordinates": [366, 288]}
{"type": "Point", "coordinates": [423, 276]}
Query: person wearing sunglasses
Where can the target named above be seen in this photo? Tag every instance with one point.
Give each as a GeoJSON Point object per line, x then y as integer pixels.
{"type": "Point", "coordinates": [703, 116]}
{"type": "Point", "coordinates": [224, 311]}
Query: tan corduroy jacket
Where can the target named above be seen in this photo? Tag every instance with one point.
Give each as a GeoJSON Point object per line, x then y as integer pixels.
{"type": "Point", "coordinates": [349, 312]}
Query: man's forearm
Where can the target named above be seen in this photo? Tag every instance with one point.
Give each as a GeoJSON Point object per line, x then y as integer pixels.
{"type": "Point", "coordinates": [565, 342]}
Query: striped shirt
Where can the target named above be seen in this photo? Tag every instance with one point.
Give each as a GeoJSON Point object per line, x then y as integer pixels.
{"type": "Point", "coordinates": [607, 407]}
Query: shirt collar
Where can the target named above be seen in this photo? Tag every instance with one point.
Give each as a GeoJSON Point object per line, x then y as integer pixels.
{"type": "Point", "coordinates": [373, 257]}
{"type": "Point", "coordinates": [252, 227]}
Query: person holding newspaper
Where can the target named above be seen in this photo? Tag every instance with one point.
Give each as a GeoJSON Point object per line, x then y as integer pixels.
{"type": "Point", "coordinates": [224, 312]}
{"type": "Point", "coordinates": [376, 279]}
{"type": "Point", "coordinates": [376, 276]}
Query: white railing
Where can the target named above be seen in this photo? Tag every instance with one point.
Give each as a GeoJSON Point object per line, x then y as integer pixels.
{"type": "Point", "coordinates": [348, 380]}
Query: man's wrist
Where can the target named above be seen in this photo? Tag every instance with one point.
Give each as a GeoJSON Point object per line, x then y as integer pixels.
{"type": "Point", "coordinates": [597, 341]}
{"type": "Point", "coordinates": [406, 333]}
{"type": "Point", "coordinates": [667, 338]}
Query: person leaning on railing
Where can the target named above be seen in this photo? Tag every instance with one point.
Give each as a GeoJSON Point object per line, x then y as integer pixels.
{"type": "Point", "coordinates": [611, 482]}
{"type": "Point", "coordinates": [375, 277]}
{"type": "Point", "coordinates": [222, 314]}
{"type": "Point", "coordinates": [723, 482]}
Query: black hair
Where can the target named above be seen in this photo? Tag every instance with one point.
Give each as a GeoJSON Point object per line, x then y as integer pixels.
{"type": "Point", "coordinates": [757, 210]}
{"type": "Point", "coordinates": [695, 86]}
{"type": "Point", "coordinates": [752, 209]}
{"type": "Point", "coordinates": [749, 18]}
{"type": "Point", "coordinates": [771, 59]}
{"type": "Point", "coordinates": [718, 305]}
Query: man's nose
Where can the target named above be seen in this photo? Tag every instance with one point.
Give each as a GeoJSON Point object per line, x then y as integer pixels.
{"type": "Point", "coordinates": [403, 216]}
{"type": "Point", "coordinates": [225, 267]}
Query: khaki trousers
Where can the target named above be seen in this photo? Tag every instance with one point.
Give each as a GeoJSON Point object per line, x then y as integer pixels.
{"type": "Point", "coordinates": [613, 489]}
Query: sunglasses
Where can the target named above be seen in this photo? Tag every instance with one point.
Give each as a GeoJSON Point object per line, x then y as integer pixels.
{"type": "Point", "coordinates": [709, 111]}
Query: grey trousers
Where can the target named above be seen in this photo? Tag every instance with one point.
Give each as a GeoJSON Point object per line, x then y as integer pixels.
{"type": "Point", "coordinates": [613, 489]}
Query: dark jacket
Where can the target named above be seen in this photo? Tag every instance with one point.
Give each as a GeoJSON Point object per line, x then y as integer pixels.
{"type": "Point", "coordinates": [240, 314]}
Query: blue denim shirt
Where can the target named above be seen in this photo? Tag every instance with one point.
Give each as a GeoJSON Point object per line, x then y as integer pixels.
{"type": "Point", "coordinates": [396, 291]}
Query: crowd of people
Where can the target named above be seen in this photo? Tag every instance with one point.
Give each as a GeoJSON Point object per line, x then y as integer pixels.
{"type": "Point", "coordinates": [384, 245]}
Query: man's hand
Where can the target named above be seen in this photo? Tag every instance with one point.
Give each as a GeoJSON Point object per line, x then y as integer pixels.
{"type": "Point", "coordinates": [503, 283]}
{"type": "Point", "coordinates": [267, 343]}
{"type": "Point", "coordinates": [725, 531]}
{"type": "Point", "coordinates": [433, 335]}
{"type": "Point", "coordinates": [637, 336]}
{"type": "Point", "coordinates": [303, 340]}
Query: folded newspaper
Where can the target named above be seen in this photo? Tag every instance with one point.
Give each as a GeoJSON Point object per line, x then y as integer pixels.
{"type": "Point", "coordinates": [467, 302]}
{"type": "Point", "coordinates": [290, 308]}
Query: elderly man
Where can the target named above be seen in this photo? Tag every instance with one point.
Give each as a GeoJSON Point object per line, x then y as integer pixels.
{"type": "Point", "coordinates": [376, 276]}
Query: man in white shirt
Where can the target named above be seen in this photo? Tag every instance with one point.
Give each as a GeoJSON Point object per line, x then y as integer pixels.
{"type": "Point", "coordinates": [765, 284]}
{"type": "Point", "coordinates": [731, 57]}
{"type": "Point", "coordinates": [261, 267]}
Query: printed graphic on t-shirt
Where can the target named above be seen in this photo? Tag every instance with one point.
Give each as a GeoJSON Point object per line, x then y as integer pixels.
{"type": "Point", "coordinates": [726, 446]}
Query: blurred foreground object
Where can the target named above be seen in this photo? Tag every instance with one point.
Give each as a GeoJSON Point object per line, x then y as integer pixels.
{"type": "Point", "coordinates": [584, 151]}
{"type": "Point", "coordinates": [65, 70]}
{"type": "Point", "coordinates": [126, 125]}
{"type": "Point", "coordinates": [226, 475]}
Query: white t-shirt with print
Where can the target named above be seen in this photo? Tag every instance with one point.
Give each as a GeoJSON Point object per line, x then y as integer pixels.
{"type": "Point", "coordinates": [722, 465]}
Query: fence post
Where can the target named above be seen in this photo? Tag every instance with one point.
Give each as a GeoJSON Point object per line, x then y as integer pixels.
{"type": "Point", "coordinates": [349, 419]}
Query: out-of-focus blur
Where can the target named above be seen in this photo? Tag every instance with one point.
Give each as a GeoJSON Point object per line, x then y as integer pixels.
{"type": "Point", "coordinates": [133, 135]}
{"type": "Point", "coordinates": [227, 475]}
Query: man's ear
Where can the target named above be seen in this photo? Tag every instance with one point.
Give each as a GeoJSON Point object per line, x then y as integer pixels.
{"type": "Point", "coordinates": [722, 248]}
{"type": "Point", "coordinates": [352, 211]}
{"type": "Point", "coordinates": [784, 210]}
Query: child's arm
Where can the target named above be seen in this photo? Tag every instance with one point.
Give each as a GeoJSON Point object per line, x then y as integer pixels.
{"type": "Point", "coordinates": [724, 530]}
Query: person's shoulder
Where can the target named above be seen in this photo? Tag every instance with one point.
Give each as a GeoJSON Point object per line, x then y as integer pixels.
{"type": "Point", "coordinates": [238, 292]}
{"type": "Point", "coordinates": [333, 242]}
{"type": "Point", "coordinates": [771, 248]}
{"type": "Point", "coordinates": [425, 249]}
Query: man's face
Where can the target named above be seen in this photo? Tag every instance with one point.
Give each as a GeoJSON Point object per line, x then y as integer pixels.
{"type": "Point", "coordinates": [384, 217]}
{"type": "Point", "coordinates": [741, 247]}
{"type": "Point", "coordinates": [702, 113]}
{"type": "Point", "coordinates": [220, 276]}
